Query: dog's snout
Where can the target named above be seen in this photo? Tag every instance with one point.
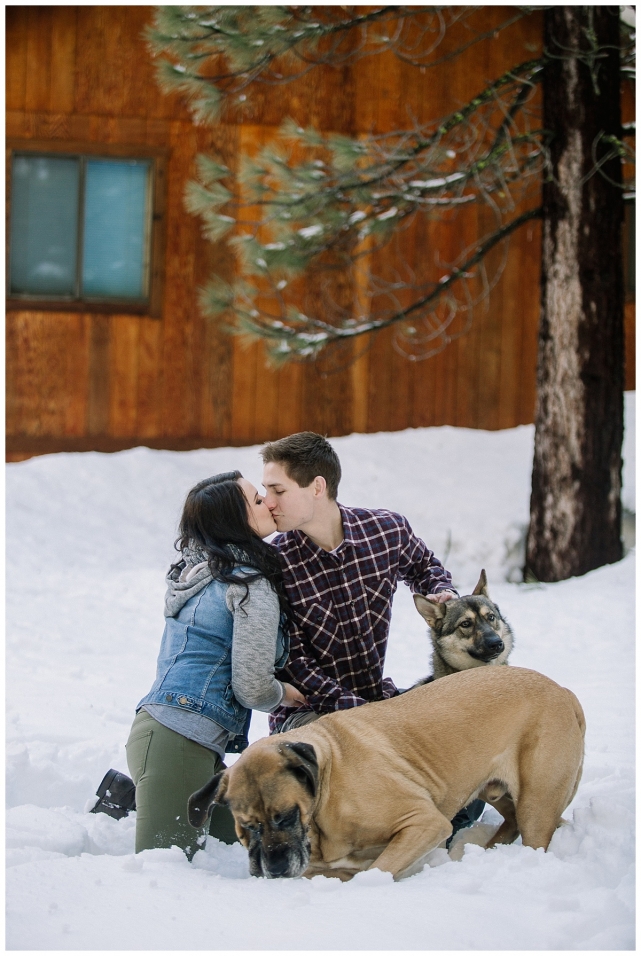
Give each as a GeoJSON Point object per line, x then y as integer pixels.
{"type": "Point", "coordinates": [494, 643]}
{"type": "Point", "coordinates": [278, 866]}
{"type": "Point", "coordinates": [281, 861]}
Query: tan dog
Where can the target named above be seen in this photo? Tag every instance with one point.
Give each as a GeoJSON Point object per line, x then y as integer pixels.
{"type": "Point", "coordinates": [377, 785]}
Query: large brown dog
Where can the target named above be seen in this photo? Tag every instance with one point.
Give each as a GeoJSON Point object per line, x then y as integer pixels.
{"type": "Point", "coordinates": [378, 785]}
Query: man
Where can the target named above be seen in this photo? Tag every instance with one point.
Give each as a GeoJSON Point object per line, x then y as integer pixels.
{"type": "Point", "coordinates": [341, 570]}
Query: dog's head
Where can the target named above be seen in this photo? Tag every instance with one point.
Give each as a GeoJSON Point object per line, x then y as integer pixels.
{"type": "Point", "coordinates": [469, 631]}
{"type": "Point", "coordinates": [271, 792]}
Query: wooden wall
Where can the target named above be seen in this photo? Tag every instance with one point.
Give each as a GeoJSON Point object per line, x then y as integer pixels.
{"type": "Point", "coordinates": [81, 381]}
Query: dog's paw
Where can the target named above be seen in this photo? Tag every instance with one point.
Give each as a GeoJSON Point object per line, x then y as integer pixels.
{"type": "Point", "coordinates": [479, 834]}
{"type": "Point", "coordinates": [438, 857]}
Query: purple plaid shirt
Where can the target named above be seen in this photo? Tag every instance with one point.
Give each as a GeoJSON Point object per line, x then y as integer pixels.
{"type": "Point", "coordinates": [342, 604]}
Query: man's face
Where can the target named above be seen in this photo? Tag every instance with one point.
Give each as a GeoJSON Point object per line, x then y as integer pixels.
{"type": "Point", "coordinates": [291, 506]}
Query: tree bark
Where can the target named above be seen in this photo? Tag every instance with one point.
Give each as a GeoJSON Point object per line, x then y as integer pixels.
{"type": "Point", "coordinates": [575, 508]}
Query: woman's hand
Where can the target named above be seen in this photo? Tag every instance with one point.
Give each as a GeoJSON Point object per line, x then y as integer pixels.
{"type": "Point", "coordinates": [292, 697]}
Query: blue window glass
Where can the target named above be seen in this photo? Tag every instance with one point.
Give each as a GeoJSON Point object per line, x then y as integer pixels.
{"type": "Point", "coordinates": [80, 227]}
{"type": "Point", "coordinates": [44, 225]}
{"type": "Point", "coordinates": [115, 217]}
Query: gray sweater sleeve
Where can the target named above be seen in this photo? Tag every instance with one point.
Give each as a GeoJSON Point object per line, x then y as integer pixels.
{"type": "Point", "coordinates": [253, 652]}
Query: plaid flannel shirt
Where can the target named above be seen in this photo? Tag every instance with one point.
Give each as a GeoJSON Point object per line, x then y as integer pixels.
{"type": "Point", "coordinates": [342, 603]}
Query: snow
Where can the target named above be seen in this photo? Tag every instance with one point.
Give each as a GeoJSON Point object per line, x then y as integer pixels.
{"type": "Point", "coordinates": [435, 183]}
{"type": "Point", "coordinates": [89, 540]}
{"type": "Point", "coordinates": [308, 232]}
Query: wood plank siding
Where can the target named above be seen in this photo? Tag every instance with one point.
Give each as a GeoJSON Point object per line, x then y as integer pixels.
{"type": "Point", "coordinates": [100, 381]}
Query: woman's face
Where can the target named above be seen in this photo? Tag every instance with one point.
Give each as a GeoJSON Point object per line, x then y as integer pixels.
{"type": "Point", "coordinates": [260, 517]}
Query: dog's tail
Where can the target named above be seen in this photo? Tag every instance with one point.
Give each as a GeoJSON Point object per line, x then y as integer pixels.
{"type": "Point", "coordinates": [424, 680]}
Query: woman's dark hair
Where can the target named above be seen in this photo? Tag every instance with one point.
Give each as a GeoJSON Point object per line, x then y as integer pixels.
{"type": "Point", "coordinates": [215, 521]}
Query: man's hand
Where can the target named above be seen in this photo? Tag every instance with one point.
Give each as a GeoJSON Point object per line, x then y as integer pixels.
{"type": "Point", "coordinates": [292, 697]}
{"type": "Point", "coordinates": [441, 597]}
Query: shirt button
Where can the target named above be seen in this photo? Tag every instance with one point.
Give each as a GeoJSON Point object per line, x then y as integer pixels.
{"type": "Point", "coordinates": [183, 700]}
{"type": "Point", "coordinates": [168, 697]}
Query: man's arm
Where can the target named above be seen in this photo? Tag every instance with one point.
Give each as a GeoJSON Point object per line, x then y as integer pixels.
{"type": "Point", "coordinates": [421, 569]}
{"type": "Point", "coordinates": [324, 695]}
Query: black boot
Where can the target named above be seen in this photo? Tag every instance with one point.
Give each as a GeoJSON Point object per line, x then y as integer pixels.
{"type": "Point", "coordinates": [466, 817]}
{"type": "Point", "coordinates": [116, 795]}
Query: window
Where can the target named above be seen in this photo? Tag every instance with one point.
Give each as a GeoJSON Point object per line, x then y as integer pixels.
{"type": "Point", "coordinates": [83, 229]}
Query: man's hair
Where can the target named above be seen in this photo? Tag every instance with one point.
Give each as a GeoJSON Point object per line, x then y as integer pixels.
{"type": "Point", "coordinates": [304, 456]}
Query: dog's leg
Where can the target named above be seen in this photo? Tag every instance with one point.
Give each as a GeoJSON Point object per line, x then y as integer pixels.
{"type": "Point", "coordinates": [549, 777]}
{"type": "Point", "coordinates": [538, 813]}
{"type": "Point", "coordinates": [509, 830]}
{"type": "Point", "coordinates": [343, 875]}
{"type": "Point", "coordinates": [419, 833]}
{"type": "Point", "coordinates": [546, 791]}
{"type": "Point", "coordinates": [537, 824]}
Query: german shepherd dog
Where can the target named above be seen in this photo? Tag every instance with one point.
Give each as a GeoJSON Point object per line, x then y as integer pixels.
{"type": "Point", "coordinates": [466, 632]}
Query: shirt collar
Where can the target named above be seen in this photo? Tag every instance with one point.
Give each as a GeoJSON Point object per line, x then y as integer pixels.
{"type": "Point", "coordinates": [349, 526]}
{"type": "Point", "coordinates": [349, 538]}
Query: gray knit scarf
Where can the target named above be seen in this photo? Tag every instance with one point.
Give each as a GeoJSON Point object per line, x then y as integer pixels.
{"type": "Point", "coordinates": [189, 576]}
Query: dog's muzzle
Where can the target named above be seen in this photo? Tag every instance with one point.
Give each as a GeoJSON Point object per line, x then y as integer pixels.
{"type": "Point", "coordinates": [491, 648]}
{"type": "Point", "coordinates": [279, 848]}
{"type": "Point", "coordinates": [284, 861]}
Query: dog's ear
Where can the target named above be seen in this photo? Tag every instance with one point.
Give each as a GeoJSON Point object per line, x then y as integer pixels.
{"type": "Point", "coordinates": [481, 587]}
{"type": "Point", "coordinates": [301, 759]}
{"type": "Point", "coordinates": [430, 610]}
{"type": "Point", "coordinates": [199, 805]}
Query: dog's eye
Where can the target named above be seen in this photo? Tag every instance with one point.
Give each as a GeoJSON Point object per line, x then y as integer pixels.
{"type": "Point", "coordinates": [256, 828]}
{"type": "Point", "coordinates": [288, 818]}
{"type": "Point", "coordinates": [465, 624]}
{"type": "Point", "coordinates": [490, 617]}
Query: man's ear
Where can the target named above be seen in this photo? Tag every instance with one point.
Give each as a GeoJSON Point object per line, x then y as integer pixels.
{"type": "Point", "coordinates": [200, 804]}
{"type": "Point", "coordinates": [302, 761]}
{"type": "Point", "coordinates": [430, 610]}
{"type": "Point", "coordinates": [481, 587]}
{"type": "Point", "coordinates": [320, 486]}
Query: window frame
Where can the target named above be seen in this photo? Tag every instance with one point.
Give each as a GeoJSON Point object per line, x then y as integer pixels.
{"type": "Point", "coordinates": [151, 306]}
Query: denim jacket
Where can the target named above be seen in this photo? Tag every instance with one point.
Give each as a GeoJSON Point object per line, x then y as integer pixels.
{"type": "Point", "coordinates": [194, 662]}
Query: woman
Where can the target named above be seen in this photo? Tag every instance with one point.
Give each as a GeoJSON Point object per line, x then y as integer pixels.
{"type": "Point", "coordinates": [224, 606]}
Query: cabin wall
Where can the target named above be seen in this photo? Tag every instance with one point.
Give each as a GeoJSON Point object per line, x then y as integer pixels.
{"type": "Point", "coordinates": [96, 381]}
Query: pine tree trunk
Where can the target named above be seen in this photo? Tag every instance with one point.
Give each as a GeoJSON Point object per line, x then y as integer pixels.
{"type": "Point", "coordinates": [575, 508]}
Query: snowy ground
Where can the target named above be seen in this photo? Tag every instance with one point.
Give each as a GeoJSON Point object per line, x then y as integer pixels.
{"type": "Point", "coordinates": [89, 539]}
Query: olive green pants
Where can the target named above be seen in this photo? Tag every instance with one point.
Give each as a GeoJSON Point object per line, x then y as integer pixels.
{"type": "Point", "coordinates": [167, 768]}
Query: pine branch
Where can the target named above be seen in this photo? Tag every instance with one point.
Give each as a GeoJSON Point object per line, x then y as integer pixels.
{"type": "Point", "coordinates": [331, 205]}
{"type": "Point", "coordinates": [265, 44]}
{"type": "Point", "coordinates": [337, 208]}
{"type": "Point", "coordinates": [297, 336]}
